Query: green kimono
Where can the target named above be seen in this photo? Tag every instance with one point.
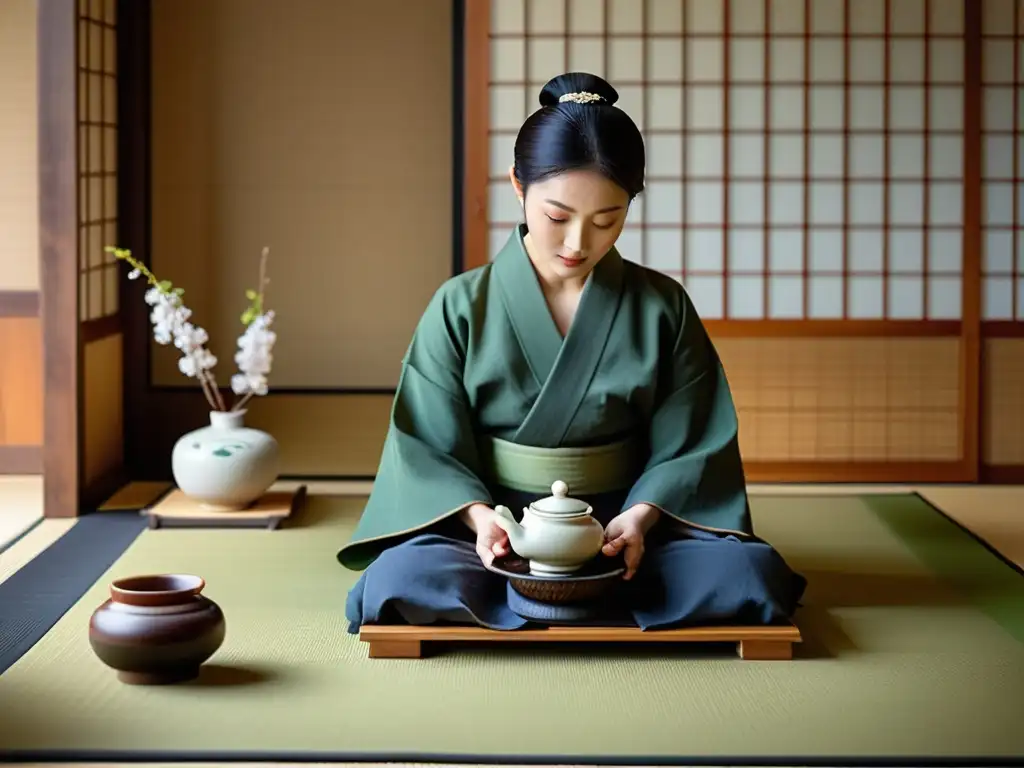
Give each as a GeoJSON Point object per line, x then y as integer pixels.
{"type": "Point", "coordinates": [488, 378]}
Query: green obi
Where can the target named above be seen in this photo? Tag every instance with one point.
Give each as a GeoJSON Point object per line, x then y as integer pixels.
{"type": "Point", "coordinates": [586, 470]}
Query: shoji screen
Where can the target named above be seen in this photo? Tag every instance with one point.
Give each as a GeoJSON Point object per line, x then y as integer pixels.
{"type": "Point", "coordinates": [99, 274]}
{"type": "Point", "coordinates": [1003, 246]}
{"type": "Point", "coordinates": [97, 159]}
{"type": "Point", "coordinates": [805, 183]}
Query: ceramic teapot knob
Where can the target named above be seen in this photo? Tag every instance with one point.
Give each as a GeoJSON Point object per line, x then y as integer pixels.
{"type": "Point", "coordinates": [559, 489]}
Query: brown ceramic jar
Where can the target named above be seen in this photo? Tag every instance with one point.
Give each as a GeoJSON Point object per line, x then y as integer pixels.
{"type": "Point", "coordinates": [156, 629]}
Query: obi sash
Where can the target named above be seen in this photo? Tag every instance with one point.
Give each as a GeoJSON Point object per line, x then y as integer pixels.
{"type": "Point", "coordinates": [586, 470]}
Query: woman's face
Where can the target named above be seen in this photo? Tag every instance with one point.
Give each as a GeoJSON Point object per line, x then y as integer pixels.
{"type": "Point", "coordinates": [573, 219]}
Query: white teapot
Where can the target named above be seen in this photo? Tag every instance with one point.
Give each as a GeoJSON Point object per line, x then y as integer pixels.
{"type": "Point", "coordinates": [558, 534]}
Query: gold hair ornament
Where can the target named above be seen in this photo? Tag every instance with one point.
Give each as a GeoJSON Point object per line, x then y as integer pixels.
{"type": "Point", "coordinates": [582, 97]}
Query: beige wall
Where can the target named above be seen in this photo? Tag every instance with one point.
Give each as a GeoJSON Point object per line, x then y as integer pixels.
{"type": "Point", "coordinates": [19, 246]}
{"type": "Point", "coordinates": [21, 364]}
{"type": "Point", "coordinates": [321, 128]}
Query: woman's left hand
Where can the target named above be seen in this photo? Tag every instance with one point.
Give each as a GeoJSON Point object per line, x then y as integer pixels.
{"type": "Point", "coordinates": [626, 532]}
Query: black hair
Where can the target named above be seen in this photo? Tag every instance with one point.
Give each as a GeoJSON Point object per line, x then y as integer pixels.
{"type": "Point", "coordinates": [567, 135]}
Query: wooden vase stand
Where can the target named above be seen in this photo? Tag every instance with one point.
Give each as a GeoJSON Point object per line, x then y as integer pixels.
{"type": "Point", "coordinates": [273, 509]}
{"type": "Point", "coordinates": [774, 643]}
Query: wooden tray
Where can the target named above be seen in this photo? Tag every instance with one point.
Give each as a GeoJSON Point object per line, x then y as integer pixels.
{"type": "Point", "coordinates": [175, 510]}
{"type": "Point", "coordinates": [753, 643]}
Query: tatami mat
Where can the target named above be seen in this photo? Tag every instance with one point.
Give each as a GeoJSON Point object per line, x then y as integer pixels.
{"type": "Point", "coordinates": [993, 513]}
{"type": "Point", "coordinates": [903, 608]}
{"type": "Point", "coordinates": [21, 506]}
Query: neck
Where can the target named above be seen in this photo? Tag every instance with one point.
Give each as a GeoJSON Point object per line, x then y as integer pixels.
{"type": "Point", "coordinates": [551, 280]}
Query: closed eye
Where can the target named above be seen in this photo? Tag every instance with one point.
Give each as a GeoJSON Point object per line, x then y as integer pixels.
{"type": "Point", "coordinates": [563, 221]}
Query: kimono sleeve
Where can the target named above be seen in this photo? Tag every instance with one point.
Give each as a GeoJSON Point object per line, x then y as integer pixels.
{"type": "Point", "coordinates": [694, 472]}
{"type": "Point", "coordinates": [428, 468]}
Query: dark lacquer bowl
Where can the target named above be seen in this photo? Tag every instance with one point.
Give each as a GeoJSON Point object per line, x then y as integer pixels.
{"type": "Point", "coordinates": [156, 629]}
{"type": "Point", "coordinates": [593, 580]}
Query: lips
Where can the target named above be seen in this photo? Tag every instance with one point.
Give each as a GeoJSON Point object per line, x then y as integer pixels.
{"type": "Point", "coordinates": [571, 262]}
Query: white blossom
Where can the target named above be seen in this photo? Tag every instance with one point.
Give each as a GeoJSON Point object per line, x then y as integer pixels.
{"type": "Point", "coordinates": [171, 321]}
{"type": "Point", "coordinates": [254, 357]}
{"type": "Point", "coordinates": [190, 337]}
{"type": "Point", "coordinates": [171, 325]}
{"type": "Point", "coordinates": [194, 362]}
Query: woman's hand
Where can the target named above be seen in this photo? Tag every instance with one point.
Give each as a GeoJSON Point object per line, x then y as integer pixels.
{"type": "Point", "coordinates": [626, 532]}
{"type": "Point", "coordinates": [491, 540]}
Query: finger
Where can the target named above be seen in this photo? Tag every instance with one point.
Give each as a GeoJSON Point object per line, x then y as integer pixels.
{"type": "Point", "coordinates": [634, 554]}
{"type": "Point", "coordinates": [614, 546]}
{"type": "Point", "coordinates": [500, 548]}
{"type": "Point", "coordinates": [498, 535]}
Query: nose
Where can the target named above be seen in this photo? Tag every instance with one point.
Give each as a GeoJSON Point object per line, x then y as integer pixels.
{"type": "Point", "coordinates": [574, 239]}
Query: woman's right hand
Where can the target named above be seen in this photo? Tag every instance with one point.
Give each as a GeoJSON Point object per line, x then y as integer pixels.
{"type": "Point", "coordinates": [491, 539]}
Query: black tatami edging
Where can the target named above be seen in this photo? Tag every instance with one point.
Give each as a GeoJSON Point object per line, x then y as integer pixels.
{"type": "Point", "coordinates": [35, 597]}
{"type": "Point", "coordinates": [977, 539]}
{"type": "Point", "coordinates": [217, 756]}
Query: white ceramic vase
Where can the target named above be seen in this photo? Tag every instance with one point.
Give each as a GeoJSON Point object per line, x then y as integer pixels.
{"type": "Point", "coordinates": [226, 465]}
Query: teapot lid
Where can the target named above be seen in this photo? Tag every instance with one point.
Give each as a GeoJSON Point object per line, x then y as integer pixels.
{"type": "Point", "coordinates": [559, 502]}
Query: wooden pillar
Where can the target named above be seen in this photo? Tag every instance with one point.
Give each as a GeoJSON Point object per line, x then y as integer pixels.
{"type": "Point", "coordinates": [58, 255]}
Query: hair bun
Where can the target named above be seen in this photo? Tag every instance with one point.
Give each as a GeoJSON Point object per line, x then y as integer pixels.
{"type": "Point", "coordinates": [577, 82]}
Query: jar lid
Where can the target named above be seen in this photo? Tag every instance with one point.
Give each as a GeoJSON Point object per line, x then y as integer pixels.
{"type": "Point", "coordinates": [559, 502]}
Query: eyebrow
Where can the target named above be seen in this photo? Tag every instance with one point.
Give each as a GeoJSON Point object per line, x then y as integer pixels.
{"type": "Point", "coordinates": [565, 207]}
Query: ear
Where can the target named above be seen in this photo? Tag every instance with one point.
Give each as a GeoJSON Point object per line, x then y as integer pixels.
{"type": "Point", "coordinates": [515, 183]}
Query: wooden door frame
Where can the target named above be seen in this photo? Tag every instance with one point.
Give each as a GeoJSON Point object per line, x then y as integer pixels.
{"type": "Point", "coordinates": [56, 32]}
{"type": "Point", "coordinates": [64, 334]}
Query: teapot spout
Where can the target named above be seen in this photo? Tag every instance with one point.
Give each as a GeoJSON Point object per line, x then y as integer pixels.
{"type": "Point", "coordinates": [508, 524]}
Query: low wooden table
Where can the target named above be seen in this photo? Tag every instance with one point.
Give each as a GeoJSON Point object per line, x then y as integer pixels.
{"type": "Point", "coordinates": [753, 643]}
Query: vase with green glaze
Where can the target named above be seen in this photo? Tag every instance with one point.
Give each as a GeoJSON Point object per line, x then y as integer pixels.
{"type": "Point", "coordinates": [225, 466]}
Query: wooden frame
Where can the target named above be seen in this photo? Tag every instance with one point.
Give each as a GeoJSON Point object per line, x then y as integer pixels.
{"type": "Point", "coordinates": [58, 256]}
{"type": "Point", "coordinates": [60, 218]}
{"type": "Point", "coordinates": [63, 336]}
{"type": "Point", "coordinates": [970, 333]}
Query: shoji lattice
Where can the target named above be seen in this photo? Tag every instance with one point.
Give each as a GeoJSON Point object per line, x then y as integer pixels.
{"type": "Point", "coordinates": [805, 156]}
{"type": "Point", "coordinates": [97, 157]}
{"type": "Point", "coordinates": [1002, 203]}
{"type": "Point", "coordinates": [1002, 216]}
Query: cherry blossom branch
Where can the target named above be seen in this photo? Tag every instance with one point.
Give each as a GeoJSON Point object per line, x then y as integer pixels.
{"type": "Point", "coordinates": [171, 324]}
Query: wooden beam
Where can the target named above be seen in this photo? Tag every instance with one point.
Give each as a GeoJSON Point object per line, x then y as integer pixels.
{"type": "Point", "coordinates": [1003, 474]}
{"type": "Point", "coordinates": [858, 471]}
{"type": "Point", "coordinates": [101, 328]}
{"type": "Point", "coordinates": [58, 255]}
{"type": "Point", "coordinates": [1002, 329]}
{"type": "Point", "coordinates": [476, 138]}
{"type": "Point", "coordinates": [970, 330]}
{"type": "Point", "coordinates": [21, 460]}
{"type": "Point", "coordinates": [19, 303]}
{"type": "Point", "coordinates": [828, 329]}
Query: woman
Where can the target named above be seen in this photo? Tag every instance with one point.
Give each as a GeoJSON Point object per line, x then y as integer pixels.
{"type": "Point", "coordinates": [561, 343]}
